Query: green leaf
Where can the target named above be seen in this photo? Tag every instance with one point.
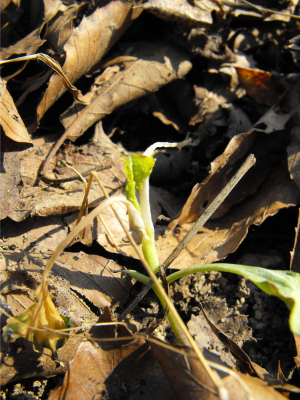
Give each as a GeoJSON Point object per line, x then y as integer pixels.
{"type": "Point", "coordinates": [142, 167]}
{"type": "Point", "coordinates": [137, 168]}
{"type": "Point", "coordinates": [282, 284]}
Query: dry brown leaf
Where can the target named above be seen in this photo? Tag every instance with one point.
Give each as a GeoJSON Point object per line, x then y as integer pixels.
{"type": "Point", "coordinates": [61, 25]}
{"type": "Point", "coordinates": [221, 237]}
{"type": "Point", "coordinates": [258, 85]}
{"type": "Point", "coordinates": [260, 390]}
{"type": "Point", "coordinates": [21, 361]}
{"type": "Point", "coordinates": [28, 45]}
{"type": "Point", "coordinates": [86, 46]}
{"type": "Point", "coordinates": [88, 371]}
{"type": "Point", "coordinates": [182, 11]}
{"type": "Point", "coordinates": [38, 198]}
{"type": "Point", "coordinates": [10, 119]}
{"type": "Point", "coordinates": [189, 382]}
{"type": "Point", "coordinates": [56, 8]}
{"type": "Point", "coordinates": [224, 167]}
{"type": "Point", "coordinates": [53, 64]}
{"type": "Point", "coordinates": [187, 376]}
{"type": "Point", "coordinates": [76, 282]}
{"type": "Point", "coordinates": [157, 65]}
{"type": "Point", "coordinates": [115, 368]}
{"type": "Point", "coordinates": [95, 278]}
{"type": "Point", "coordinates": [208, 103]}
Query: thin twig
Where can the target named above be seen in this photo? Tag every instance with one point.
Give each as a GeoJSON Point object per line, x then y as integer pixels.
{"type": "Point", "coordinates": [74, 177]}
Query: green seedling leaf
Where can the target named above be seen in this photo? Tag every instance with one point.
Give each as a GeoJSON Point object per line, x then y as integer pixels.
{"type": "Point", "coordinates": [137, 168]}
{"type": "Point", "coordinates": [282, 284]}
{"type": "Point", "coordinates": [142, 167]}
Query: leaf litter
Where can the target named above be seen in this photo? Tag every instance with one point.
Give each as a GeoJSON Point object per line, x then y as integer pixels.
{"type": "Point", "coordinates": [233, 75]}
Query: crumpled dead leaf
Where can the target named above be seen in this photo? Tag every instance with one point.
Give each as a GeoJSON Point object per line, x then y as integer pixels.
{"type": "Point", "coordinates": [182, 11]}
{"type": "Point", "coordinates": [94, 30]}
{"type": "Point", "coordinates": [38, 198]}
{"type": "Point", "coordinates": [93, 281]}
{"type": "Point", "coordinates": [10, 119]}
{"type": "Point", "coordinates": [113, 368]}
{"type": "Point", "coordinates": [222, 168]}
{"type": "Point", "coordinates": [156, 65]}
{"type": "Point", "coordinates": [208, 104]}
{"type": "Point", "coordinates": [221, 237]}
{"type": "Point", "coordinates": [189, 382]}
{"type": "Point", "coordinates": [41, 315]}
{"type": "Point", "coordinates": [258, 85]}
{"type": "Point", "coordinates": [59, 18]}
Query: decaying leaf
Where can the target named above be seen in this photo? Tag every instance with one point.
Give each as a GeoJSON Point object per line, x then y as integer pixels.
{"type": "Point", "coordinates": [156, 65]}
{"type": "Point", "coordinates": [189, 382]}
{"type": "Point", "coordinates": [34, 323]}
{"type": "Point", "coordinates": [94, 30]}
{"type": "Point", "coordinates": [113, 367]}
{"type": "Point", "coordinates": [187, 376]}
{"type": "Point", "coordinates": [208, 104]}
{"type": "Point", "coordinates": [60, 25]}
{"type": "Point", "coordinates": [38, 198]}
{"type": "Point", "coordinates": [27, 45]}
{"type": "Point", "coordinates": [182, 11]}
{"type": "Point", "coordinates": [258, 85]}
{"type": "Point", "coordinates": [10, 119]}
{"type": "Point", "coordinates": [222, 168]}
{"type": "Point", "coordinates": [221, 237]}
{"type": "Point", "coordinates": [76, 282]}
